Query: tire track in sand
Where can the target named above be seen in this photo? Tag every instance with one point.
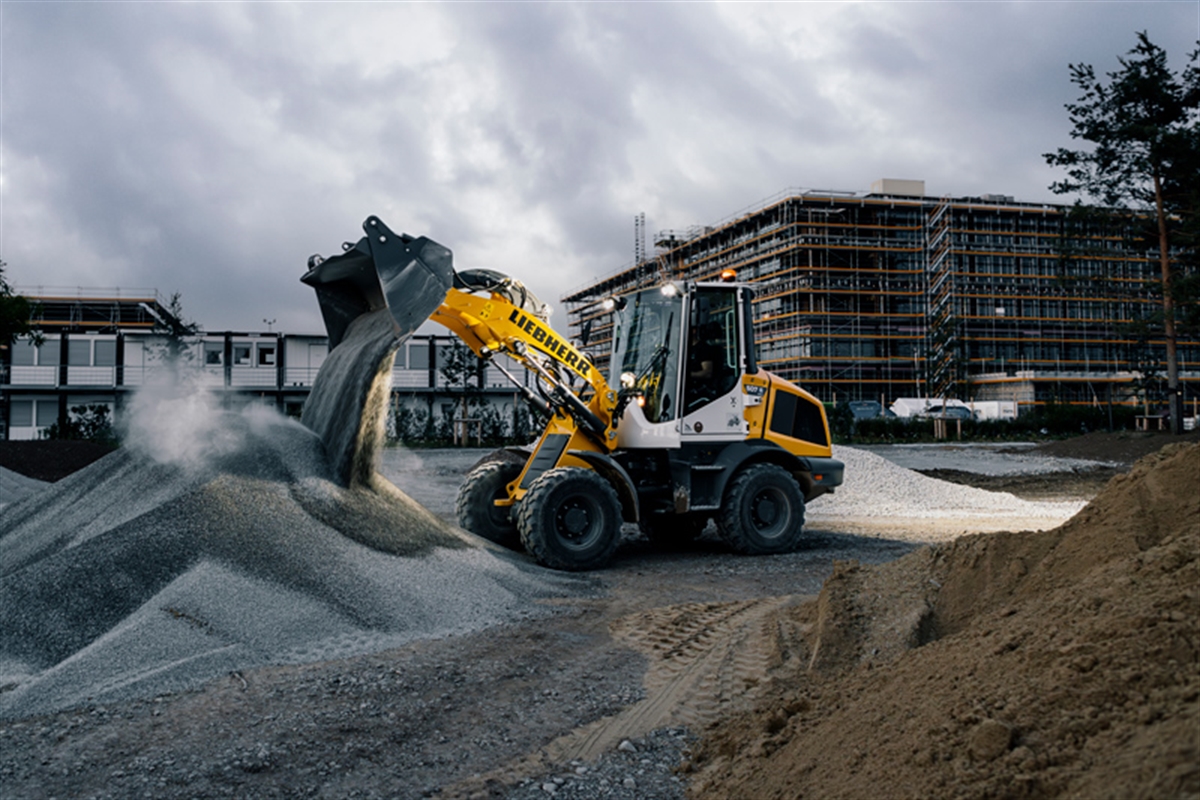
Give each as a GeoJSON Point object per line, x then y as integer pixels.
{"type": "Point", "coordinates": [706, 659]}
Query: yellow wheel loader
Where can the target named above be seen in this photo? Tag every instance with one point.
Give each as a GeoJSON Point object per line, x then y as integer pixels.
{"type": "Point", "coordinates": [687, 427]}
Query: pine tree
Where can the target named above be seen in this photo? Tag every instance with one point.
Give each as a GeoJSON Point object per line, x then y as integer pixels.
{"type": "Point", "coordinates": [1142, 128]}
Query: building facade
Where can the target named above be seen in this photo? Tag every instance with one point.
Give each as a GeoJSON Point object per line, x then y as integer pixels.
{"type": "Point", "coordinates": [893, 293]}
{"type": "Point", "coordinates": [99, 347]}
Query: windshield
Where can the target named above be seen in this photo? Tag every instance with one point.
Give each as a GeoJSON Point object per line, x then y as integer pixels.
{"type": "Point", "coordinates": [647, 345]}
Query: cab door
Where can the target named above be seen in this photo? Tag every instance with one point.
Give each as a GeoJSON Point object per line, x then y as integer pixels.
{"type": "Point", "coordinates": [712, 388]}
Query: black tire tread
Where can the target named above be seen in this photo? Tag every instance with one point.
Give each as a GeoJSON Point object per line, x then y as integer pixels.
{"type": "Point", "coordinates": [479, 488]}
{"type": "Point", "coordinates": [531, 508]}
{"type": "Point", "coordinates": [739, 493]}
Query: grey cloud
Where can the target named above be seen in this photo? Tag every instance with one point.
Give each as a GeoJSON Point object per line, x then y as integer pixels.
{"type": "Point", "coordinates": [178, 178]}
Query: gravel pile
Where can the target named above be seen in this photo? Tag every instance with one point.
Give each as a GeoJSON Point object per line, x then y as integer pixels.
{"type": "Point", "coordinates": [876, 488]}
{"type": "Point", "coordinates": [14, 486]}
{"type": "Point", "coordinates": [984, 458]}
{"type": "Point", "coordinates": [137, 576]}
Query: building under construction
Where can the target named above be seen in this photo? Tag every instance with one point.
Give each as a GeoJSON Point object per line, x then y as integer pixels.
{"type": "Point", "coordinates": [893, 293]}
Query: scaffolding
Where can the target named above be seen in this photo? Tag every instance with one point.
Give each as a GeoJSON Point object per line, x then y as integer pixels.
{"type": "Point", "coordinates": [877, 296]}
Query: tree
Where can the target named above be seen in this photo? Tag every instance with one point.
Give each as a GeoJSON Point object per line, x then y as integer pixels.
{"type": "Point", "coordinates": [177, 333]}
{"type": "Point", "coordinates": [1142, 125]}
{"type": "Point", "coordinates": [15, 314]}
{"type": "Point", "coordinates": [463, 372]}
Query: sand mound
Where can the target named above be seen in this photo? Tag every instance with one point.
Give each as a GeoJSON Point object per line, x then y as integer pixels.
{"type": "Point", "coordinates": [134, 576]}
{"type": "Point", "coordinates": [1059, 663]}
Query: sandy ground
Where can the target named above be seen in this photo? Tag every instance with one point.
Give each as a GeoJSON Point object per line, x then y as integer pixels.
{"type": "Point", "coordinates": [1062, 663]}
{"type": "Point", "coordinates": [603, 698]}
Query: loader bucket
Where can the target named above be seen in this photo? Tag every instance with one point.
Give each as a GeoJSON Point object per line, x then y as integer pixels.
{"type": "Point", "coordinates": [406, 275]}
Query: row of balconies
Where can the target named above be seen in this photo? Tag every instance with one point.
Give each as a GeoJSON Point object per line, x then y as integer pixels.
{"type": "Point", "coordinates": [220, 361]}
{"type": "Point", "coordinates": [293, 378]}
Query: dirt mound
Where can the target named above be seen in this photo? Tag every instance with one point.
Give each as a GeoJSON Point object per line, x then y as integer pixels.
{"type": "Point", "coordinates": [1058, 663]}
{"type": "Point", "coordinates": [49, 459]}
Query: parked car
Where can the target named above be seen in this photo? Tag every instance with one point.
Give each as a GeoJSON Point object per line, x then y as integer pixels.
{"type": "Point", "coordinates": [865, 409]}
{"type": "Point", "coordinates": [946, 412]}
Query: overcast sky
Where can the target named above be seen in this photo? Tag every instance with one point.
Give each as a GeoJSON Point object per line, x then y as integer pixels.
{"type": "Point", "coordinates": [210, 148]}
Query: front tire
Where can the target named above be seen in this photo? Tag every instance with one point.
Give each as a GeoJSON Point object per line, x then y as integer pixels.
{"type": "Point", "coordinates": [570, 519]}
{"type": "Point", "coordinates": [763, 512]}
{"type": "Point", "coordinates": [476, 508]}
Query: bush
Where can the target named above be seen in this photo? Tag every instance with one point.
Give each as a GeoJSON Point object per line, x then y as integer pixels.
{"type": "Point", "coordinates": [1049, 420]}
{"type": "Point", "coordinates": [418, 427]}
{"type": "Point", "coordinates": [90, 423]}
{"type": "Point", "coordinates": [1059, 419]}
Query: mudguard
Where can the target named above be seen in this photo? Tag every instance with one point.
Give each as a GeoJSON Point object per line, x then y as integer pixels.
{"type": "Point", "coordinates": [616, 475]}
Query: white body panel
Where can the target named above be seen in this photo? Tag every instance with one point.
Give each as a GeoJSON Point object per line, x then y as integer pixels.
{"type": "Point", "coordinates": [636, 433]}
{"type": "Point", "coordinates": [722, 419]}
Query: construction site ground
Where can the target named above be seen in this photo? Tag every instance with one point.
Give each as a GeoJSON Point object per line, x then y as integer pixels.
{"type": "Point", "coordinates": [701, 673]}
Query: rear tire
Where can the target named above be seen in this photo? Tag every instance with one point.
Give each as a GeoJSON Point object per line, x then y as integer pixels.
{"type": "Point", "coordinates": [570, 519]}
{"type": "Point", "coordinates": [763, 512]}
{"type": "Point", "coordinates": [476, 507]}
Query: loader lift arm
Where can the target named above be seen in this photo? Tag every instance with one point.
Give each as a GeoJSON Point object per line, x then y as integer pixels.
{"type": "Point", "coordinates": [500, 323]}
{"type": "Point", "coordinates": [496, 325]}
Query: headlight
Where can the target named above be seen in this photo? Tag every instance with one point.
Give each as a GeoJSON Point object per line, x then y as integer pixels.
{"type": "Point", "coordinates": [628, 379]}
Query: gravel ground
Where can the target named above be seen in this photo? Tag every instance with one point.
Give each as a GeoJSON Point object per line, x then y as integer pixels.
{"type": "Point", "coordinates": [635, 770]}
{"type": "Point", "coordinates": [599, 699]}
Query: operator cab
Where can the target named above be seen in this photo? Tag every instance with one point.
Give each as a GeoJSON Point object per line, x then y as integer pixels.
{"type": "Point", "coordinates": [683, 354]}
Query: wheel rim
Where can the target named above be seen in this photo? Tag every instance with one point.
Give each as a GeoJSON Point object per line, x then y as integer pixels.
{"type": "Point", "coordinates": [578, 522]}
{"type": "Point", "coordinates": [770, 512]}
{"type": "Point", "coordinates": [499, 515]}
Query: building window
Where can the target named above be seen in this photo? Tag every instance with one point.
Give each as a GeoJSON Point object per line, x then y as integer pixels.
{"type": "Point", "coordinates": [266, 355]}
{"type": "Point", "coordinates": [213, 351]}
{"type": "Point", "coordinates": [21, 412]}
{"type": "Point", "coordinates": [106, 353]}
{"type": "Point", "coordinates": [79, 353]}
{"type": "Point", "coordinates": [241, 355]}
{"type": "Point", "coordinates": [418, 356]}
{"type": "Point", "coordinates": [24, 353]}
{"type": "Point", "coordinates": [47, 354]}
{"type": "Point", "coordinates": [47, 413]}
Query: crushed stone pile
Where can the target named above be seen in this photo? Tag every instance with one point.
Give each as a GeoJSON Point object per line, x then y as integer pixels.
{"type": "Point", "coordinates": [14, 486]}
{"type": "Point", "coordinates": [1036, 664]}
{"type": "Point", "coordinates": [216, 541]}
{"type": "Point", "coordinates": [878, 495]}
